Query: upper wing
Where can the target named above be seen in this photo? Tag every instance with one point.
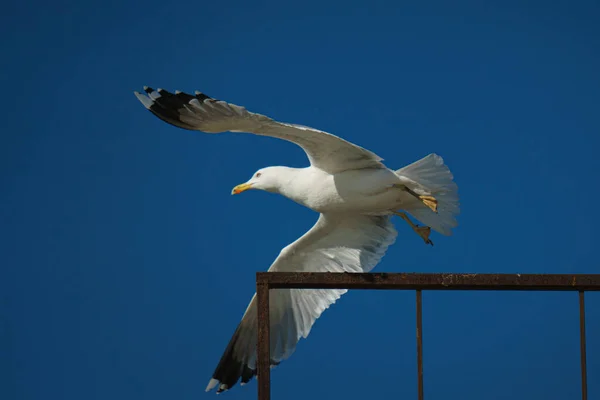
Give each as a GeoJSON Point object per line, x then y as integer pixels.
{"type": "Point", "coordinates": [202, 113]}
{"type": "Point", "coordinates": [334, 244]}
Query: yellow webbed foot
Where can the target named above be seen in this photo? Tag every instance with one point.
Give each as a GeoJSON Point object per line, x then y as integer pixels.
{"type": "Point", "coordinates": [422, 231]}
{"type": "Point", "coordinates": [430, 202]}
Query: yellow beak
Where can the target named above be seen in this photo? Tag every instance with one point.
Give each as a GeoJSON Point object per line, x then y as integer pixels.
{"type": "Point", "coordinates": [241, 188]}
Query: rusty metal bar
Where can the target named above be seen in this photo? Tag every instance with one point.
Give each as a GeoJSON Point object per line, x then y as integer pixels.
{"type": "Point", "coordinates": [582, 345]}
{"type": "Point", "coordinates": [263, 342]}
{"type": "Point", "coordinates": [411, 281]}
{"type": "Point", "coordinates": [430, 281]}
{"type": "Point", "coordinates": [420, 344]}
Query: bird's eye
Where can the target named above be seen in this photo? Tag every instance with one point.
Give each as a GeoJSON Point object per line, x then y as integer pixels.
{"type": "Point", "coordinates": [258, 174]}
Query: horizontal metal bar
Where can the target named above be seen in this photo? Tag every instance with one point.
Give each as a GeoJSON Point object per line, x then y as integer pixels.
{"type": "Point", "coordinates": [429, 281]}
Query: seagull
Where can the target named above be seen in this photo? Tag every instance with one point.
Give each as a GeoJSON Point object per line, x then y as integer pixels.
{"type": "Point", "coordinates": [350, 188]}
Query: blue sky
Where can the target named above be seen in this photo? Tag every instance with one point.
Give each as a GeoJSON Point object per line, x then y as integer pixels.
{"type": "Point", "coordinates": [126, 264]}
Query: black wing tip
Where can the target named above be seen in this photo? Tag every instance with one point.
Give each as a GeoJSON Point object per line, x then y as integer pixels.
{"type": "Point", "coordinates": [160, 92]}
{"type": "Point", "coordinates": [198, 94]}
{"type": "Point", "coordinates": [202, 96]}
{"type": "Point", "coordinates": [230, 370]}
{"type": "Point", "coordinates": [144, 99]}
{"type": "Point", "coordinates": [166, 105]}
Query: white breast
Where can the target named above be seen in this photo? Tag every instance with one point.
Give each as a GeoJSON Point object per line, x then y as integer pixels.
{"type": "Point", "coordinates": [364, 191]}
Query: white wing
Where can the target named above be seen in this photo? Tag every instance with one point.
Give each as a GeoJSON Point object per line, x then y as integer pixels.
{"type": "Point", "coordinates": [202, 113]}
{"type": "Point", "coordinates": [334, 244]}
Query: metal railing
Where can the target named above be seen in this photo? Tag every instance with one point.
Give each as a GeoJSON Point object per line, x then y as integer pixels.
{"type": "Point", "coordinates": [412, 281]}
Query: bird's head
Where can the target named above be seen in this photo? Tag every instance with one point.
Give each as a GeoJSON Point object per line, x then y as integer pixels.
{"type": "Point", "coordinates": [267, 179]}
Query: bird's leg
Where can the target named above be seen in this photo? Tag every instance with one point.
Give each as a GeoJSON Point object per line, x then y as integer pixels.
{"type": "Point", "coordinates": [423, 231]}
{"type": "Point", "coordinates": [429, 201]}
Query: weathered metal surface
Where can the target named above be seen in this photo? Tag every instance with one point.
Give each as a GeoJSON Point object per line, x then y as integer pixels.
{"type": "Point", "coordinates": [418, 282]}
{"type": "Point", "coordinates": [582, 345]}
{"type": "Point", "coordinates": [420, 344]}
{"type": "Point", "coordinates": [263, 348]}
{"type": "Point", "coordinates": [430, 281]}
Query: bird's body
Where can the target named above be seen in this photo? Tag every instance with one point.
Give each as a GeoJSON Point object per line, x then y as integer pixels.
{"type": "Point", "coordinates": [361, 191]}
{"type": "Point", "coordinates": [355, 195]}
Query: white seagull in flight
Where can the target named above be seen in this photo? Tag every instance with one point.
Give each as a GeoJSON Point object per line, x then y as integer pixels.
{"type": "Point", "coordinates": [354, 193]}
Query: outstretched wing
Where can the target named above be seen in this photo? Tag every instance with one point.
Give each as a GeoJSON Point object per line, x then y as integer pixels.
{"type": "Point", "coordinates": [334, 244]}
{"type": "Point", "coordinates": [202, 113]}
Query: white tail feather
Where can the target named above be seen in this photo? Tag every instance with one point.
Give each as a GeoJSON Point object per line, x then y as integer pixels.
{"type": "Point", "coordinates": [430, 176]}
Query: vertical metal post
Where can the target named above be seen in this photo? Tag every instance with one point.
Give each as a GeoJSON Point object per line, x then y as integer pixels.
{"type": "Point", "coordinates": [420, 344]}
{"type": "Point", "coordinates": [582, 345]}
{"type": "Point", "coordinates": [263, 352]}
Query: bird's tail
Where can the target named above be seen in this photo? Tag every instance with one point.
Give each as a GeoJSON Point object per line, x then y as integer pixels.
{"type": "Point", "coordinates": [429, 176]}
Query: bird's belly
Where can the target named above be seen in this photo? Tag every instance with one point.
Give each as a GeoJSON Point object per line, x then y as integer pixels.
{"type": "Point", "coordinates": [392, 199]}
{"type": "Point", "coordinates": [358, 192]}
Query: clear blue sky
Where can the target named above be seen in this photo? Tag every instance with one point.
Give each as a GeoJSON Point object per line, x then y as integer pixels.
{"type": "Point", "coordinates": [125, 263]}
